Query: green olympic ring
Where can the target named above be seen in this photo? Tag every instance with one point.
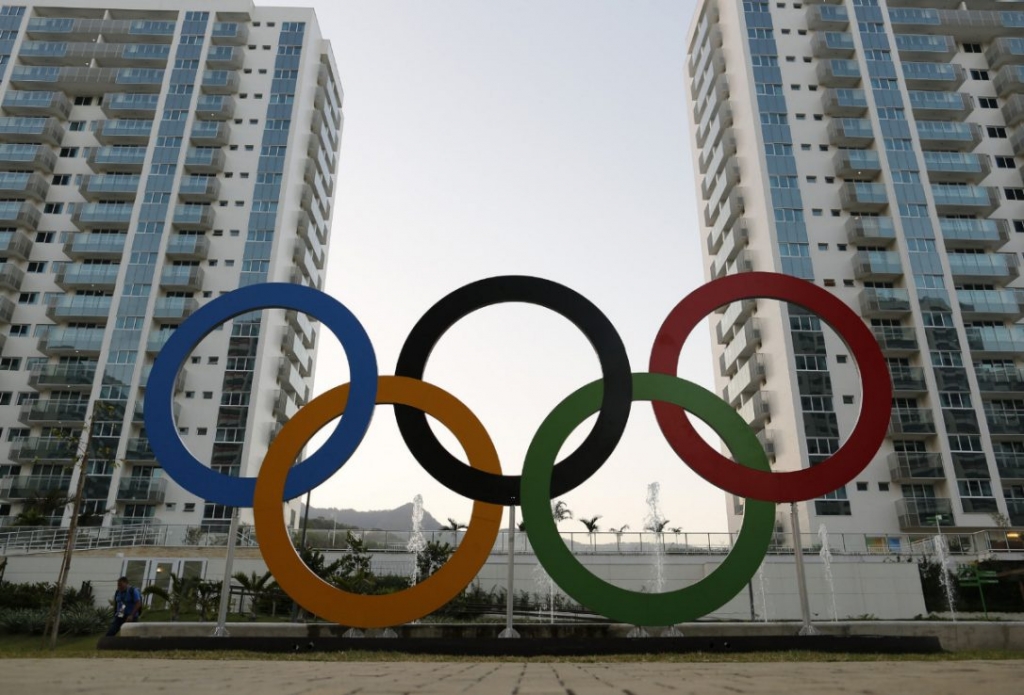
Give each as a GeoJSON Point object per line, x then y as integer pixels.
{"type": "Point", "coordinates": [636, 608]}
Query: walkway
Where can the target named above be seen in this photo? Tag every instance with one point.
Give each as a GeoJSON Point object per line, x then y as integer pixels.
{"type": "Point", "coordinates": [150, 676]}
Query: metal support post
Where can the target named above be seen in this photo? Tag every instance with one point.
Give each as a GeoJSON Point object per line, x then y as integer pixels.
{"type": "Point", "coordinates": [801, 578]}
{"type": "Point", "coordinates": [225, 587]}
{"type": "Point", "coordinates": [509, 631]}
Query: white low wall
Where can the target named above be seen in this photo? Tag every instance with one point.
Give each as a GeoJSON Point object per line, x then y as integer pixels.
{"type": "Point", "coordinates": [864, 586]}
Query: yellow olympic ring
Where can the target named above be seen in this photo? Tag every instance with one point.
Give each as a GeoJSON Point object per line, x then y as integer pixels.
{"type": "Point", "coordinates": [358, 610]}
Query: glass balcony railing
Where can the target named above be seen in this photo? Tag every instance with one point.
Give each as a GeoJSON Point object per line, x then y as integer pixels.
{"type": "Point", "coordinates": [37, 103]}
{"type": "Point", "coordinates": [102, 245]}
{"type": "Point", "coordinates": [75, 275]}
{"type": "Point", "coordinates": [102, 215]}
{"type": "Point", "coordinates": [225, 57]}
{"type": "Point", "coordinates": [999, 380]}
{"type": "Point", "coordinates": [110, 186]}
{"type": "Point", "coordinates": [126, 105]}
{"type": "Point", "coordinates": [115, 157]}
{"type": "Point", "coordinates": [896, 340]}
{"type": "Point", "coordinates": [15, 214]}
{"type": "Point", "coordinates": [72, 307]}
{"type": "Point", "coordinates": [210, 133]}
{"type": "Point", "coordinates": [22, 157]}
{"type": "Point", "coordinates": [908, 379]}
{"type": "Point", "coordinates": [978, 304]}
{"type": "Point", "coordinates": [229, 33]}
{"type": "Point", "coordinates": [174, 309]}
{"type": "Point", "coordinates": [926, 47]}
{"type": "Point", "coordinates": [965, 198]}
{"type": "Point", "coordinates": [198, 187]}
{"type": "Point", "coordinates": [1009, 80]}
{"type": "Point", "coordinates": [51, 411]}
{"type": "Point", "coordinates": [188, 247]}
{"type": "Point", "coordinates": [29, 129]}
{"type": "Point", "coordinates": [1005, 423]}
{"type": "Point", "coordinates": [63, 376]}
{"type": "Point", "coordinates": [71, 341]}
{"type": "Point", "coordinates": [865, 197]}
{"type": "Point", "coordinates": [956, 166]}
{"type": "Point", "coordinates": [924, 512]}
{"type": "Point", "coordinates": [953, 105]}
{"type": "Point", "coordinates": [933, 75]}
{"type": "Point", "coordinates": [995, 340]}
{"type": "Point", "coordinates": [991, 266]}
{"type": "Point", "coordinates": [193, 216]}
{"type": "Point", "coordinates": [34, 449]}
{"type": "Point", "coordinates": [852, 132]}
{"type": "Point", "coordinates": [183, 277]}
{"type": "Point", "coordinates": [832, 44]}
{"type": "Point", "coordinates": [33, 486]}
{"type": "Point", "coordinates": [139, 490]}
{"type": "Point", "coordinates": [949, 135]}
{"type": "Point", "coordinates": [139, 450]}
{"type": "Point", "coordinates": [880, 302]}
{"type": "Point", "coordinates": [220, 82]}
{"type": "Point", "coordinates": [830, 17]}
{"type": "Point", "coordinates": [11, 276]}
{"type": "Point", "coordinates": [905, 466]}
{"type": "Point", "coordinates": [204, 159]}
{"type": "Point", "coordinates": [23, 185]}
{"type": "Point", "coordinates": [135, 131]}
{"type": "Point", "coordinates": [215, 107]}
{"type": "Point", "coordinates": [1010, 465]}
{"type": "Point", "coordinates": [877, 265]}
{"type": "Point", "coordinates": [838, 72]}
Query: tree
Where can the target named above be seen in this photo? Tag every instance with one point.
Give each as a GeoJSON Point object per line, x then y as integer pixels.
{"type": "Point", "coordinates": [207, 594]}
{"type": "Point", "coordinates": [560, 511]}
{"type": "Point", "coordinates": [590, 523]}
{"type": "Point", "coordinates": [657, 526]}
{"type": "Point", "coordinates": [453, 525]}
{"type": "Point", "coordinates": [618, 536]}
{"type": "Point", "coordinates": [353, 572]}
{"type": "Point", "coordinates": [85, 452]}
{"type": "Point", "coordinates": [180, 593]}
{"type": "Point", "coordinates": [257, 586]}
{"type": "Point", "coordinates": [432, 558]}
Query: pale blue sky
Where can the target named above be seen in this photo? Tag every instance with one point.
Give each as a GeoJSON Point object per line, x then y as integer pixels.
{"type": "Point", "coordinates": [541, 138]}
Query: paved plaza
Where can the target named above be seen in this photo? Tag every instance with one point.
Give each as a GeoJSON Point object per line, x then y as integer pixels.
{"type": "Point", "coordinates": [148, 676]}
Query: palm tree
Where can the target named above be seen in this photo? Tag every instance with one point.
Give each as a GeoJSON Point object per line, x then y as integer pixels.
{"type": "Point", "coordinates": [591, 525]}
{"type": "Point", "coordinates": [455, 527]}
{"type": "Point", "coordinates": [207, 597]}
{"type": "Point", "coordinates": [618, 536]}
{"type": "Point", "coordinates": [256, 586]}
{"type": "Point", "coordinates": [560, 511]}
{"type": "Point", "coordinates": [180, 593]}
{"type": "Point", "coordinates": [656, 526]}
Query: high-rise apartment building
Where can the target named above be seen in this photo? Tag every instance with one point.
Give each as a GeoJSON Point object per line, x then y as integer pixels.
{"type": "Point", "coordinates": [875, 148]}
{"type": "Point", "coordinates": [152, 157]}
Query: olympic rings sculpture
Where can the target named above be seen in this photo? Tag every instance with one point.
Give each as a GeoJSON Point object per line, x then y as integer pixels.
{"type": "Point", "coordinates": [747, 474]}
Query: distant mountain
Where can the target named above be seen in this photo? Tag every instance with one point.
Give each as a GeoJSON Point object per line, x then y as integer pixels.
{"type": "Point", "coordinates": [399, 519]}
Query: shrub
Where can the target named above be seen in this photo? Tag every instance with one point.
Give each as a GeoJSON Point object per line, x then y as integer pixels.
{"type": "Point", "coordinates": [84, 620]}
{"type": "Point", "coordinates": [23, 621]}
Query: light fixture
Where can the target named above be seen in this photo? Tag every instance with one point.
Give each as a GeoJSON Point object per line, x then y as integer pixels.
{"type": "Point", "coordinates": [1013, 534]}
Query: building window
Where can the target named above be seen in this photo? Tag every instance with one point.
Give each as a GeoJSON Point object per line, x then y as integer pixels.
{"type": "Point", "coordinates": [19, 330]}
{"type": "Point", "coordinates": [1005, 162]}
{"type": "Point", "coordinates": [53, 208]}
{"type": "Point", "coordinates": [971, 48]}
{"type": "Point", "coordinates": [979, 75]}
{"type": "Point", "coordinates": [28, 298]}
{"type": "Point", "coordinates": [996, 131]}
{"type": "Point", "coordinates": [61, 180]}
{"type": "Point", "coordinates": [988, 103]}
{"type": "Point", "coordinates": [36, 267]}
{"type": "Point", "coordinates": [1014, 193]}
{"type": "Point", "coordinates": [10, 364]}
{"type": "Point", "coordinates": [862, 487]}
{"type": "Point", "coordinates": [45, 237]}
{"type": "Point", "coordinates": [68, 152]}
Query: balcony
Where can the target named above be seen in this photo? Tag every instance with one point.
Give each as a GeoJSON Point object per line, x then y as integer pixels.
{"type": "Point", "coordinates": [296, 351]}
{"type": "Point", "coordinates": [139, 451]}
{"type": "Point", "coordinates": [844, 102]}
{"type": "Point", "coordinates": [63, 377]}
{"type": "Point", "coordinates": [79, 308]}
{"type": "Point", "coordinates": [838, 72]}
{"type": "Point", "coordinates": [941, 76]}
{"type": "Point", "coordinates": [133, 490]}
{"type": "Point", "coordinates": [113, 30]}
{"type": "Point", "coordinates": [188, 247]}
{"type": "Point", "coordinates": [117, 158]}
{"type": "Point", "coordinates": [827, 18]}
{"type": "Point", "coordinates": [204, 160]}
{"type": "Point", "coordinates": [33, 486]}
{"type": "Point", "coordinates": [959, 167]}
{"type": "Point", "coordinates": [1000, 268]}
{"type": "Point", "coordinates": [304, 328]}
{"type": "Point", "coordinates": [229, 34]}
{"type": "Point", "coordinates": [908, 380]}
{"type": "Point", "coordinates": [922, 513]}
{"type": "Point", "coordinates": [38, 449]}
{"type": "Point", "coordinates": [1005, 51]}
{"type": "Point", "coordinates": [940, 105]}
{"type": "Point", "coordinates": [122, 105]}
{"type": "Point", "coordinates": [877, 302]}
{"type": "Point", "coordinates": [734, 316]}
{"type": "Point", "coordinates": [912, 423]}
{"type": "Point", "coordinates": [749, 378]}
{"type": "Point", "coordinates": [991, 305]}
{"type": "Point", "coordinates": [225, 57]}
{"type": "Point", "coordinates": [23, 185]}
{"type": "Point", "coordinates": [995, 341]}
{"type": "Point", "coordinates": [308, 261]}
{"type": "Point", "coordinates": [857, 164]}
{"type": "Point", "coordinates": [102, 216]}
{"type": "Point", "coordinates": [1010, 465]}
{"type": "Point", "coordinates": [181, 278]}
{"type": "Point", "coordinates": [71, 341]}
{"type": "Point", "coordinates": [11, 276]}
{"type": "Point", "coordinates": [1005, 425]}
{"type": "Point", "coordinates": [31, 130]}
{"type": "Point", "coordinates": [1017, 142]}
{"type": "Point", "coordinates": [93, 276]}
{"type": "Point", "coordinates": [291, 381]}
{"type": "Point", "coordinates": [1013, 110]}
{"type": "Point", "coordinates": [71, 53]}
{"type": "Point", "coordinates": [193, 217]}
{"type": "Point", "coordinates": [745, 342]}
{"type": "Point", "coordinates": [215, 107]}
{"type": "Point", "coordinates": [756, 410]}
{"type": "Point", "coordinates": [210, 133]}
{"type": "Point", "coordinates": [897, 341]}
{"type": "Point", "coordinates": [219, 82]}
{"type": "Point", "coordinates": [87, 80]}
{"type": "Point", "coordinates": [15, 157]}
{"type": "Point", "coordinates": [199, 188]}
{"type": "Point", "coordinates": [37, 103]}
{"type": "Point", "coordinates": [877, 266]}
{"type": "Point", "coordinates": [171, 310]}
{"type": "Point", "coordinates": [858, 197]}
{"type": "Point", "coordinates": [832, 44]}
{"type": "Point", "coordinates": [926, 47]}
{"type": "Point", "coordinates": [850, 132]}
{"type": "Point", "coordinates": [1015, 510]}
{"type": "Point", "coordinates": [946, 135]}
{"type": "Point", "coordinates": [100, 246]}
{"type": "Point", "coordinates": [870, 231]}
{"type": "Point", "coordinates": [284, 407]}
{"type": "Point", "coordinates": [157, 339]}
{"type": "Point", "coordinates": [124, 131]}
{"type": "Point", "coordinates": [20, 215]}
{"type": "Point", "coordinates": [1001, 382]}
{"type": "Point", "coordinates": [910, 467]}
{"type": "Point", "coordinates": [964, 199]}
{"type": "Point", "coordinates": [46, 411]}
{"type": "Point", "coordinates": [107, 187]}
{"type": "Point", "coordinates": [1009, 80]}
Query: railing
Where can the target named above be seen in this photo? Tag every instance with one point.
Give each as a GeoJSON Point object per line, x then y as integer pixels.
{"type": "Point", "coordinates": [132, 534]}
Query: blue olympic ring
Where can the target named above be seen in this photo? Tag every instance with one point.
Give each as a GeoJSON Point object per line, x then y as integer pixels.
{"type": "Point", "coordinates": [212, 486]}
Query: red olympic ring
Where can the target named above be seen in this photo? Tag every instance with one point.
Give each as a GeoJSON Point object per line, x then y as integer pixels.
{"type": "Point", "coordinates": [793, 486]}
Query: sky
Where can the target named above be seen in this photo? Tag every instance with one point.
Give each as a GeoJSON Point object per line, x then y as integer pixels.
{"type": "Point", "coordinates": [530, 138]}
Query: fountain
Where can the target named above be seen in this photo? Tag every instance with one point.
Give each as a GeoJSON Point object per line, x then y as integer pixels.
{"type": "Point", "coordinates": [762, 583]}
{"type": "Point", "coordinates": [655, 522]}
{"type": "Point", "coordinates": [826, 559]}
{"type": "Point", "coordinates": [416, 543]}
{"type": "Point", "coordinates": [945, 574]}
{"type": "Point", "coordinates": [545, 585]}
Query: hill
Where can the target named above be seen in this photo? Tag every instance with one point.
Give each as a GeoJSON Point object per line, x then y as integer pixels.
{"type": "Point", "coordinates": [399, 519]}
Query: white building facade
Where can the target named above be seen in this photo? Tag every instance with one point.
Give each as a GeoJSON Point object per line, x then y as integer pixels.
{"type": "Point", "coordinates": [874, 148]}
{"type": "Point", "coordinates": [154, 156]}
